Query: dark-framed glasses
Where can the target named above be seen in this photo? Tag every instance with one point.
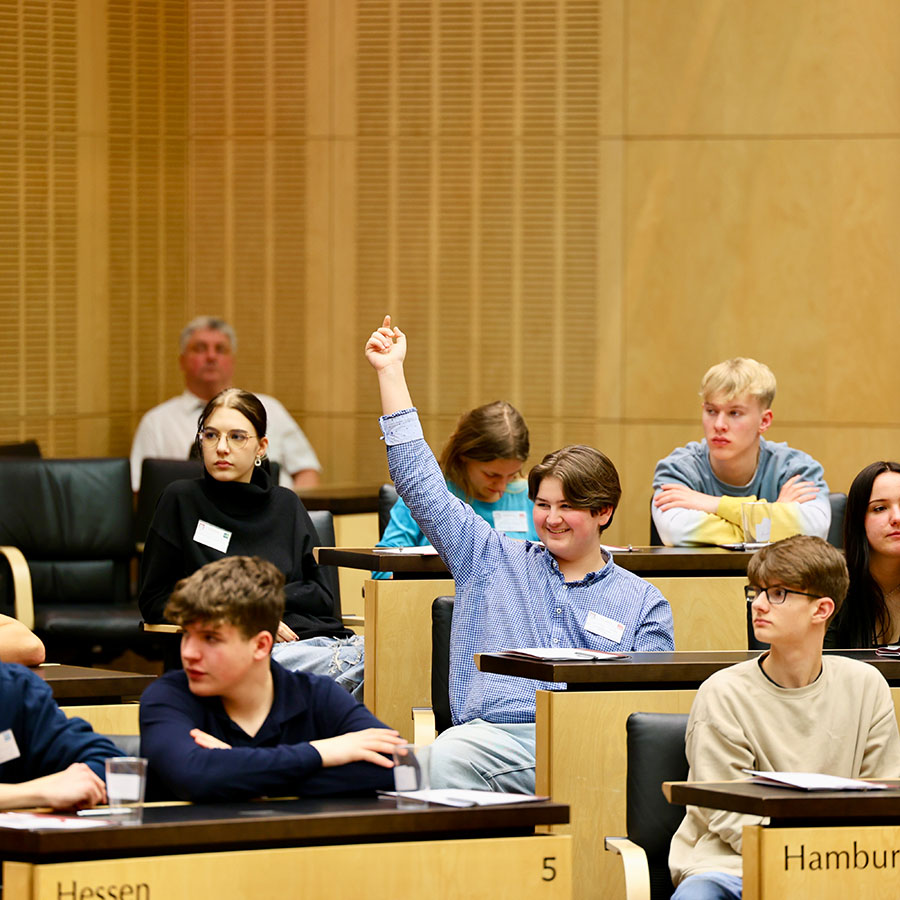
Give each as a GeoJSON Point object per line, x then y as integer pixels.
{"type": "Point", "coordinates": [775, 595]}
{"type": "Point", "coordinates": [235, 439]}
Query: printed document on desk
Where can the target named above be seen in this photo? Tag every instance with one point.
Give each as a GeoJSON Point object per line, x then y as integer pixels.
{"type": "Point", "coordinates": [562, 654]}
{"type": "Point", "coordinates": [813, 781]}
{"type": "Point", "coordinates": [459, 797]}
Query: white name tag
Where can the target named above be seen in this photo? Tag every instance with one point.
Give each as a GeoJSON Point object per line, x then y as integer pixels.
{"type": "Point", "coordinates": [9, 749]}
{"type": "Point", "coordinates": [604, 627]}
{"type": "Point", "coordinates": [510, 520]}
{"type": "Point", "coordinates": [212, 536]}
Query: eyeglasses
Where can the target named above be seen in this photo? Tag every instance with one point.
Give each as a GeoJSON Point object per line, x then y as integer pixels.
{"type": "Point", "coordinates": [775, 595]}
{"type": "Point", "coordinates": [235, 439]}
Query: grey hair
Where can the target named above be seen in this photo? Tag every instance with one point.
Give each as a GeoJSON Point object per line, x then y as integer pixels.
{"type": "Point", "coordinates": [213, 323]}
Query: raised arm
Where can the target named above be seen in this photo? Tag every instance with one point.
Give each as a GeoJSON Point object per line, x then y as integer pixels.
{"type": "Point", "coordinates": [386, 351]}
{"type": "Point", "coordinates": [463, 539]}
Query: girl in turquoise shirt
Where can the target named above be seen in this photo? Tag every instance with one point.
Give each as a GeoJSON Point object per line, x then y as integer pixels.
{"type": "Point", "coordinates": [482, 462]}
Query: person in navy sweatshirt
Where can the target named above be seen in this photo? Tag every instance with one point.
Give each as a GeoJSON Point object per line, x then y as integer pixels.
{"type": "Point", "coordinates": [46, 759]}
{"type": "Point", "coordinates": [234, 724]}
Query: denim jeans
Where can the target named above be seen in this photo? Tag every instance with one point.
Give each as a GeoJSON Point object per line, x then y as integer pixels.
{"type": "Point", "coordinates": [709, 886]}
{"type": "Point", "coordinates": [339, 658]}
{"type": "Point", "coordinates": [484, 756]}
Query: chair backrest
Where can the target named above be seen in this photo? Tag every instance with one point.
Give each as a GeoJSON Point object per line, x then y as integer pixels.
{"type": "Point", "coordinates": [836, 529]}
{"type": "Point", "coordinates": [441, 620]}
{"type": "Point", "coordinates": [387, 497]}
{"type": "Point", "coordinates": [323, 522]}
{"type": "Point", "coordinates": [23, 450]}
{"type": "Point", "coordinates": [655, 539]}
{"type": "Point", "coordinates": [655, 754]}
{"type": "Point", "coordinates": [73, 520]}
{"type": "Point", "coordinates": [156, 475]}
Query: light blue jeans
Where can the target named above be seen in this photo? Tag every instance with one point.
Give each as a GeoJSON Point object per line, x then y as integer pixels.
{"type": "Point", "coordinates": [339, 658]}
{"type": "Point", "coordinates": [483, 756]}
{"type": "Point", "coordinates": [709, 886]}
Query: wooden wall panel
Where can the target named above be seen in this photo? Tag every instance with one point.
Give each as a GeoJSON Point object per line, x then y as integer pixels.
{"type": "Point", "coordinates": [38, 237]}
{"type": "Point", "coordinates": [576, 205]}
{"type": "Point", "coordinates": [762, 67]}
{"type": "Point", "coordinates": [146, 128]}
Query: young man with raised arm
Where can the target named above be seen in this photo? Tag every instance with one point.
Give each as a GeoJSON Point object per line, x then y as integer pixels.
{"type": "Point", "coordinates": [790, 710]}
{"type": "Point", "coordinates": [234, 724]}
{"type": "Point", "coordinates": [563, 592]}
{"type": "Point", "coordinates": [699, 488]}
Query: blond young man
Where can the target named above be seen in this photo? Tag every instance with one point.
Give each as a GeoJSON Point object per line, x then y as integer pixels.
{"type": "Point", "coordinates": [699, 488]}
{"type": "Point", "coordinates": [789, 710]}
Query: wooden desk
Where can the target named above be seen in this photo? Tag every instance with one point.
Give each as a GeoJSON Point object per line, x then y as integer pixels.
{"type": "Point", "coordinates": [783, 805]}
{"type": "Point", "coordinates": [651, 671]}
{"type": "Point", "coordinates": [826, 845]}
{"type": "Point", "coordinates": [644, 561]}
{"type": "Point", "coordinates": [241, 850]}
{"type": "Point", "coordinates": [82, 684]}
{"type": "Point", "coordinates": [580, 748]}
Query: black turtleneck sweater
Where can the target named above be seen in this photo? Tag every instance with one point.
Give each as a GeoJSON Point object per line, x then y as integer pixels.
{"type": "Point", "coordinates": [264, 520]}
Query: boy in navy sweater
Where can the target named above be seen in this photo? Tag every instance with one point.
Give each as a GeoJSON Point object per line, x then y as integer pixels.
{"type": "Point", "coordinates": [233, 724]}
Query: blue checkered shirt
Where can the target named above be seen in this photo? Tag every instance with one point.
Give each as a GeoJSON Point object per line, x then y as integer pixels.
{"type": "Point", "coordinates": [510, 593]}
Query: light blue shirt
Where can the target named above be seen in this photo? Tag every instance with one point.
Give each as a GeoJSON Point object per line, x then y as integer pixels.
{"type": "Point", "coordinates": [510, 593]}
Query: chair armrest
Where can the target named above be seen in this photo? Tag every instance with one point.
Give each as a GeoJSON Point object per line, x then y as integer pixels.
{"type": "Point", "coordinates": [353, 621]}
{"type": "Point", "coordinates": [161, 628]}
{"type": "Point", "coordinates": [634, 860]}
{"type": "Point", "coordinates": [21, 579]}
{"type": "Point", "coordinates": [423, 726]}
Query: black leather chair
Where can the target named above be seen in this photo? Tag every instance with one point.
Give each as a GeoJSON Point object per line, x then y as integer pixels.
{"type": "Point", "coordinates": [438, 718]}
{"type": "Point", "coordinates": [156, 474]}
{"type": "Point", "coordinates": [836, 529]}
{"type": "Point", "coordinates": [323, 521]}
{"type": "Point", "coordinates": [73, 521]}
{"type": "Point", "coordinates": [655, 754]}
{"type": "Point", "coordinates": [441, 620]}
{"type": "Point", "coordinates": [387, 497]}
{"type": "Point", "coordinates": [23, 450]}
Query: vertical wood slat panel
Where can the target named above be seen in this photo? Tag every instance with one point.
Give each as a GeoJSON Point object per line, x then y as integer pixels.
{"type": "Point", "coordinates": [478, 198]}
{"type": "Point", "coordinates": [38, 238]}
{"type": "Point", "coordinates": [147, 89]}
{"type": "Point", "coordinates": [247, 170]}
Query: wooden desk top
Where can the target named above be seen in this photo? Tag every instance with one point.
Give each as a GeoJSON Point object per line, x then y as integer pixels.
{"type": "Point", "coordinates": [650, 671]}
{"type": "Point", "coordinates": [377, 560]}
{"type": "Point", "coordinates": [649, 561]}
{"type": "Point", "coordinates": [341, 499]}
{"type": "Point", "coordinates": [70, 683]}
{"type": "Point", "coordinates": [274, 823]}
{"type": "Point", "coordinates": [782, 804]}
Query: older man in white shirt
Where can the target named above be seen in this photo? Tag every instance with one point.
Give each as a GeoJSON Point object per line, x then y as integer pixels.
{"type": "Point", "coordinates": [168, 431]}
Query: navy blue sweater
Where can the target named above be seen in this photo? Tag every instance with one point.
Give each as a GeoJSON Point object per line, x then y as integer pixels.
{"type": "Point", "coordinates": [48, 741]}
{"type": "Point", "coordinates": [277, 761]}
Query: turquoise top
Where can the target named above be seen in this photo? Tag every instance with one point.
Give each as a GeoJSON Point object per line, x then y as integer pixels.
{"type": "Point", "coordinates": [402, 530]}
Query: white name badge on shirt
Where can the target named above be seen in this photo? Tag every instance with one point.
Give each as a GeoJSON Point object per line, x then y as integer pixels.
{"type": "Point", "coordinates": [212, 536]}
{"type": "Point", "coordinates": [604, 627]}
{"type": "Point", "coordinates": [9, 749]}
{"type": "Point", "coordinates": [510, 520]}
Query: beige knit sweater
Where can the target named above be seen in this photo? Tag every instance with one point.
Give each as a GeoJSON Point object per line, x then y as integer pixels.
{"type": "Point", "coordinates": [841, 724]}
